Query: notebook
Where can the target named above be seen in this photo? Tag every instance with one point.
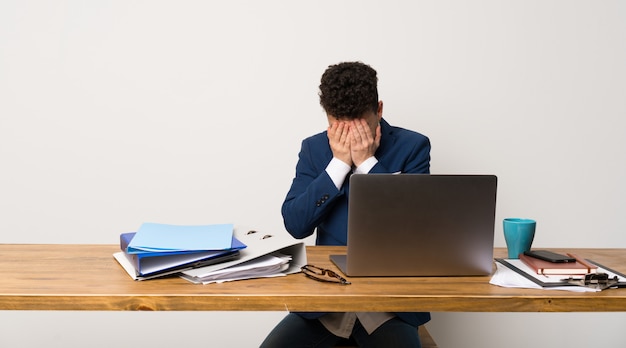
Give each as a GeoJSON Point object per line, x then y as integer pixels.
{"type": "Point", "coordinates": [419, 225]}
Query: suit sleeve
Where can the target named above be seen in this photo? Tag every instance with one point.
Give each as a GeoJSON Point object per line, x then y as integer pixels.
{"type": "Point", "coordinates": [310, 197]}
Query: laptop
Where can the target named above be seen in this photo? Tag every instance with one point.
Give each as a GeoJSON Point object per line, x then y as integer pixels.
{"type": "Point", "coordinates": [419, 225]}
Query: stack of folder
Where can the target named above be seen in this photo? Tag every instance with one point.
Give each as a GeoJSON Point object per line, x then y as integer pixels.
{"type": "Point", "coordinates": [266, 255]}
{"type": "Point", "coordinates": [270, 265]}
{"type": "Point", "coordinates": [157, 250]}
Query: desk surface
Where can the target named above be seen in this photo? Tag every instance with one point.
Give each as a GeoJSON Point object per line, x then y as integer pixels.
{"type": "Point", "coordinates": [87, 277]}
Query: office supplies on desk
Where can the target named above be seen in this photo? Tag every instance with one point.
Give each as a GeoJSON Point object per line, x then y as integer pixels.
{"type": "Point", "coordinates": [156, 237]}
{"type": "Point", "coordinates": [579, 266]}
{"type": "Point", "coordinates": [259, 244]}
{"type": "Point", "coordinates": [419, 225]}
{"type": "Point", "coordinates": [508, 277]}
{"type": "Point", "coordinates": [167, 266]}
{"type": "Point", "coordinates": [514, 273]}
{"type": "Point", "coordinates": [266, 266]}
{"type": "Point", "coordinates": [598, 281]}
{"type": "Point", "coordinates": [148, 265]}
{"type": "Point", "coordinates": [126, 238]}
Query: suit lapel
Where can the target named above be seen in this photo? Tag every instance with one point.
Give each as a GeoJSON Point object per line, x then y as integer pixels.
{"type": "Point", "coordinates": [387, 139]}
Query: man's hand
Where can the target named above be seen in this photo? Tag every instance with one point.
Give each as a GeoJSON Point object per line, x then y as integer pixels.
{"type": "Point", "coordinates": [363, 144]}
{"type": "Point", "coordinates": [339, 140]}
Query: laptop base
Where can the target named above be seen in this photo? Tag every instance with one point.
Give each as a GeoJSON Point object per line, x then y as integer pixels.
{"type": "Point", "coordinates": [341, 261]}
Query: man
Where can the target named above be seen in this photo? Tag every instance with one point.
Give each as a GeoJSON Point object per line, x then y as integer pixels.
{"type": "Point", "coordinates": [358, 140]}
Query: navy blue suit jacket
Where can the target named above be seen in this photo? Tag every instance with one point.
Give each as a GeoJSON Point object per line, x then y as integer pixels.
{"type": "Point", "coordinates": [313, 202]}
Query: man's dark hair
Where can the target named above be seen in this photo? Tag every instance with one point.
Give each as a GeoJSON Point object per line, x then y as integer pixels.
{"type": "Point", "coordinates": [348, 90]}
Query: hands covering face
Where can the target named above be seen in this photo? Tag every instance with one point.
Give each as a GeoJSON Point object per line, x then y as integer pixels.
{"type": "Point", "coordinates": [352, 141]}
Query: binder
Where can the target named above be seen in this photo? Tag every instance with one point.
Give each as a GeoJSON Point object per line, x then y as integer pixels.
{"type": "Point", "coordinates": [259, 244]}
{"type": "Point", "coordinates": [147, 264]}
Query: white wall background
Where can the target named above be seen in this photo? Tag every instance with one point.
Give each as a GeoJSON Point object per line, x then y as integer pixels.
{"type": "Point", "coordinates": [113, 113]}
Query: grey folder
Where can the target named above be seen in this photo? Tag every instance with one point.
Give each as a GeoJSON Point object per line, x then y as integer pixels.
{"type": "Point", "coordinates": [419, 225]}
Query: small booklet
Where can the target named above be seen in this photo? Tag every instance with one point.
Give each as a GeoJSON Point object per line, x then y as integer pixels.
{"type": "Point", "coordinates": [578, 267]}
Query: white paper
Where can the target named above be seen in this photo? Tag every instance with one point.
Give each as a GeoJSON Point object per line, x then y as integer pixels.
{"type": "Point", "coordinates": [261, 267]}
{"type": "Point", "coordinates": [260, 244]}
{"type": "Point", "coordinates": [508, 278]}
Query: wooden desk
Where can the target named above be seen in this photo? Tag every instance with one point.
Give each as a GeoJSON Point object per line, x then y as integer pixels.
{"type": "Point", "coordinates": [86, 277]}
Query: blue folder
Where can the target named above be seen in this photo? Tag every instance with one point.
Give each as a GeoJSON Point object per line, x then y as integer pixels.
{"type": "Point", "coordinates": [157, 237]}
{"type": "Point", "coordinates": [152, 264]}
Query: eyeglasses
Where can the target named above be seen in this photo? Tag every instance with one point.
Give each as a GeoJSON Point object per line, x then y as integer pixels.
{"type": "Point", "coordinates": [323, 275]}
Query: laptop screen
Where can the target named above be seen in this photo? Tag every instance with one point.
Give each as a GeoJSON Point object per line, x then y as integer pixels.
{"type": "Point", "coordinates": [420, 225]}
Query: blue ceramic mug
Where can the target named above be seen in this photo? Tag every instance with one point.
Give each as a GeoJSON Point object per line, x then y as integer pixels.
{"type": "Point", "coordinates": [519, 235]}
